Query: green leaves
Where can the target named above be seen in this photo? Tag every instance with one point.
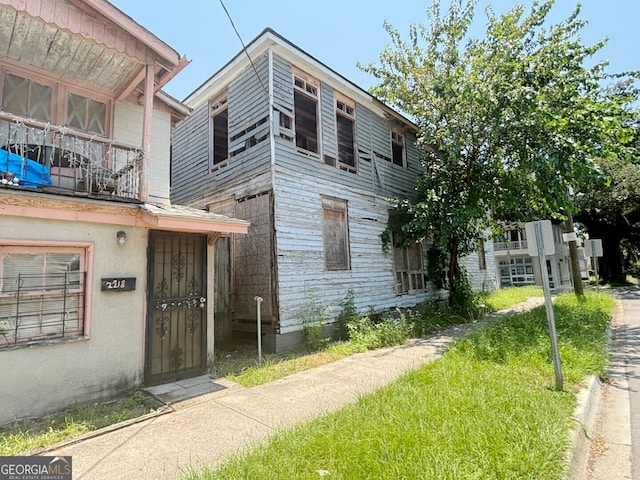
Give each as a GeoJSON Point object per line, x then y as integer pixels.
{"type": "Point", "coordinates": [507, 122]}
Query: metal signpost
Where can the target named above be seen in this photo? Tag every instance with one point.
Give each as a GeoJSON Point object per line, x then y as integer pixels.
{"type": "Point", "coordinates": [593, 249]}
{"type": "Point", "coordinates": [543, 246]}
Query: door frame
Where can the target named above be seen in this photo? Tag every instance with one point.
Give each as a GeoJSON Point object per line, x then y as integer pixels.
{"type": "Point", "coordinates": [149, 378]}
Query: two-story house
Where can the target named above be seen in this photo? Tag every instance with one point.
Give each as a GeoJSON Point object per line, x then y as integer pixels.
{"type": "Point", "coordinates": [281, 140]}
{"type": "Point", "coordinates": [103, 284]}
{"type": "Point", "coordinates": [515, 268]}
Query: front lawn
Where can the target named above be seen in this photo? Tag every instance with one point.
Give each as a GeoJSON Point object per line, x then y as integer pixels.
{"type": "Point", "coordinates": [486, 410]}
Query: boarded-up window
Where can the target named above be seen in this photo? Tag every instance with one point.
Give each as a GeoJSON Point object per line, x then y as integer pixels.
{"type": "Point", "coordinates": [27, 98]}
{"type": "Point", "coordinates": [335, 234]}
{"type": "Point", "coordinates": [345, 122]}
{"type": "Point", "coordinates": [408, 266]}
{"type": "Point", "coordinates": [305, 98]}
{"type": "Point", "coordinates": [219, 133]}
{"type": "Point", "coordinates": [86, 114]}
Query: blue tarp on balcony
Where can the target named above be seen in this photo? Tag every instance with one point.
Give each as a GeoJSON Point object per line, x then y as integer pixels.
{"type": "Point", "coordinates": [29, 173]}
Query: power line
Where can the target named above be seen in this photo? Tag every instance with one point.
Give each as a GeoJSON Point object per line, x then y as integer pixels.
{"type": "Point", "coordinates": [244, 48]}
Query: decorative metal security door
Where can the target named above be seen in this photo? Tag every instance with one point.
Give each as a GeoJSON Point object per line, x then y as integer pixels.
{"type": "Point", "coordinates": [176, 320]}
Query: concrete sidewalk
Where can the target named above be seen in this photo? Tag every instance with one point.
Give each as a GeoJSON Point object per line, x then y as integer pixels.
{"type": "Point", "coordinates": [612, 445]}
{"type": "Point", "coordinates": [208, 428]}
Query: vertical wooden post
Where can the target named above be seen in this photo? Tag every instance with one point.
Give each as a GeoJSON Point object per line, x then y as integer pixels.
{"type": "Point", "coordinates": [149, 92]}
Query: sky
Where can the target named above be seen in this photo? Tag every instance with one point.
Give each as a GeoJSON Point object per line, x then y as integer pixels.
{"type": "Point", "coordinates": [341, 33]}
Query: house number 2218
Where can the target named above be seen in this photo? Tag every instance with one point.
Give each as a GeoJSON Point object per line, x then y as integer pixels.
{"type": "Point", "coordinates": [120, 284]}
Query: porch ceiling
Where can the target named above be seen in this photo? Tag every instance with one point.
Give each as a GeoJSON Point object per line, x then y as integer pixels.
{"type": "Point", "coordinates": [88, 41]}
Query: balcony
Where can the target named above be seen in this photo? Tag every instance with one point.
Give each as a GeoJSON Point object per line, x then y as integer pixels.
{"type": "Point", "coordinates": [52, 159]}
{"type": "Point", "coordinates": [519, 245]}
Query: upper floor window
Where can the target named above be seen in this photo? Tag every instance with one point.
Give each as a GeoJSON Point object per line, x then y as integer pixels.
{"type": "Point", "coordinates": [86, 114]}
{"type": "Point", "coordinates": [219, 133]}
{"type": "Point", "coordinates": [305, 99]}
{"type": "Point", "coordinates": [27, 98]}
{"type": "Point", "coordinates": [54, 103]}
{"type": "Point", "coordinates": [335, 232]}
{"type": "Point", "coordinates": [42, 293]}
{"type": "Point", "coordinates": [345, 122]}
{"type": "Point", "coordinates": [397, 147]}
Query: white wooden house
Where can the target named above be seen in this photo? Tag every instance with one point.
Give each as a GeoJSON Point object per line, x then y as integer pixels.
{"type": "Point", "coordinates": [281, 140]}
{"type": "Point", "coordinates": [103, 284]}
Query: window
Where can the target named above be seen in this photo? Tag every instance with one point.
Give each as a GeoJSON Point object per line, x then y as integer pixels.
{"type": "Point", "coordinates": [335, 232]}
{"type": "Point", "coordinates": [27, 98]}
{"type": "Point", "coordinates": [86, 114]}
{"type": "Point", "coordinates": [408, 266]}
{"type": "Point", "coordinates": [30, 98]}
{"type": "Point", "coordinates": [397, 148]}
{"type": "Point", "coordinates": [516, 272]}
{"type": "Point", "coordinates": [42, 294]}
{"type": "Point", "coordinates": [219, 136]}
{"type": "Point", "coordinates": [305, 99]}
{"type": "Point", "coordinates": [345, 120]}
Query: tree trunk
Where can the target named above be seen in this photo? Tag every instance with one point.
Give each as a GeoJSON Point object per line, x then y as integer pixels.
{"type": "Point", "coordinates": [453, 273]}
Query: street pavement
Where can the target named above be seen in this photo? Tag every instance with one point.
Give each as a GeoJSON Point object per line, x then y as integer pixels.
{"type": "Point", "coordinates": [225, 418]}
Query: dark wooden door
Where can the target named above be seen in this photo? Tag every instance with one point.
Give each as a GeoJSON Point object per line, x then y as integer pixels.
{"type": "Point", "coordinates": [176, 313]}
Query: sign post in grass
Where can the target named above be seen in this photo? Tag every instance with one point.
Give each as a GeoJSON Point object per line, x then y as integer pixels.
{"type": "Point", "coordinates": [543, 246]}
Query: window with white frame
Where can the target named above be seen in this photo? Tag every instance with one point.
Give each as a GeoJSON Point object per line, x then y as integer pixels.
{"type": "Point", "coordinates": [408, 266]}
{"type": "Point", "coordinates": [42, 294]}
{"type": "Point", "coordinates": [305, 99]}
{"type": "Point", "coordinates": [335, 232]}
{"type": "Point", "coordinates": [219, 133]}
{"type": "Point", "coordinates": [345, 123]}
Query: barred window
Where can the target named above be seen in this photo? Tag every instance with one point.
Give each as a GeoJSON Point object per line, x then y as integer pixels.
{"type": "Point", "coordinates": [42, 294]}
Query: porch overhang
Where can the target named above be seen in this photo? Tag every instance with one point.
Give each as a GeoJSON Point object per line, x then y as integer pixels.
{"type": "Point", "coordinates": [176, 218]}
{"type": "Point", "coordinates": [187, 219]}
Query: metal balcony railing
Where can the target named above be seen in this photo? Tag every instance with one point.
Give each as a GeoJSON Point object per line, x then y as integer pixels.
{"type": "Point", "coordinates": [516, 245]}
{"type": "Point", "coordinates": [55, 159]}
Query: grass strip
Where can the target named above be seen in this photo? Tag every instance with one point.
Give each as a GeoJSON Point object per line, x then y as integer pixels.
{"type": "Point", "coordinates": [486, 410]}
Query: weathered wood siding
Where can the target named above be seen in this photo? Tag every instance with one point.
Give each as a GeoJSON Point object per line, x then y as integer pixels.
{"type": "Point", "coordinates": [248, 111]}
{"type": "Point", "coordinates": [283, 259]}
{"type": "Point", "coordinates": [481, 279]}
{"type": "Point", "coordinates": [302, 276]}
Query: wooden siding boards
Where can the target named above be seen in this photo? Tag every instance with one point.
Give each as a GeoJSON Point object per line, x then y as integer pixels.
{"type": "Point", "coordinates": [282, 258]}
{"type": "Point", "coordinates": [247, 103]}
{"type": "Point", "coordinates": [328, 122]}
{"type": "Point", "coordinates": [302, 275]}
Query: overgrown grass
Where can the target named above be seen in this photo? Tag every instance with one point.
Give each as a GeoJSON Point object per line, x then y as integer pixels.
{"type": "Point", "coordinates": [31, 435]}
{"type": "Point", "coordinates": [486, 410]}
{"type": "Point", "coordinates": [371, 332]}
{"type": "Point", "coordinates": [508, 297]}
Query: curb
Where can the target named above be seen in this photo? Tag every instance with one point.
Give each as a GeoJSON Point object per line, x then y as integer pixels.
{"type": "Point", "coordinates": [585, 416]}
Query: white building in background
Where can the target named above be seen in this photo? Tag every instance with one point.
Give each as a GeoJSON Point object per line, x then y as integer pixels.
{"type": "Point", "coordinates": [515, 268]}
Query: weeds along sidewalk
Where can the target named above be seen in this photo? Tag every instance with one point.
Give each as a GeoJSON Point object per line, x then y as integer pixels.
{"type": "Point", "coordinates": [207, 429]}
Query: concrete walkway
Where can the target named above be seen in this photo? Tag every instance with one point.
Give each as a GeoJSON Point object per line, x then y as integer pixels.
{"type": "Point", "coordinates": [614, 444]}
{"type": "Point", "coordinates": [208, 428]}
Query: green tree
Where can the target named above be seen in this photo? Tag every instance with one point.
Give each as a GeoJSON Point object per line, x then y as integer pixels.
{"type": "Point", "coordinates": [507, 122]}
{"type": "Point", "coordinates": [612, 213]}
